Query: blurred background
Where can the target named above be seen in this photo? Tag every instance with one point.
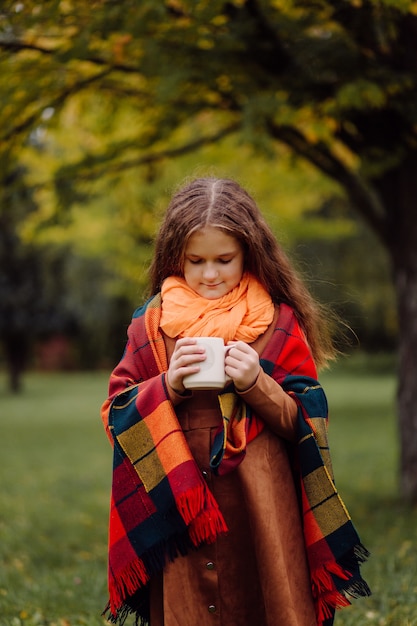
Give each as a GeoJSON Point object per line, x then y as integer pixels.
{"type": "Point", "coordinates": [106, 107]}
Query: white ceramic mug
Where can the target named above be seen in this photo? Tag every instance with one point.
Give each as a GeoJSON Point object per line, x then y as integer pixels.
{"type": "Point", "coordinates": [211, 374]}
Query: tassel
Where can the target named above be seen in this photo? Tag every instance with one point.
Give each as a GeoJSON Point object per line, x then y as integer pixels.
{"type": "Point", "coordinates": [133, 576]}
{"type": "Point", "coordinates": [190, 503]}
{"type": "Point", "coordinates": [122, 614]}
{"type": "Point", "coordinates": [206, 527]}
{"type": "Point", "coordinates": [202, 515]}
{"type": "Point", "coordinates": [327, 595]}
{"type": "Point", "coordinates": [361, 553]}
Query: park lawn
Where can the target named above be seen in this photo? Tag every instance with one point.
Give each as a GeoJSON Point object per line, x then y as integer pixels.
{"type": "Point", "coordinates": [55, 481]}
{"type": "Point", "coordinates": [55, 477]}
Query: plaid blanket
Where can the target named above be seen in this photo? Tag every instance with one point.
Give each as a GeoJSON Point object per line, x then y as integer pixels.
{"type": "Point", "coordinates": [161, 506]}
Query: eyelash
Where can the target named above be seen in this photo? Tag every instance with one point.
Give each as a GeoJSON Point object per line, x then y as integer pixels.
{"type": "Point", "coordinates": [222, 261]}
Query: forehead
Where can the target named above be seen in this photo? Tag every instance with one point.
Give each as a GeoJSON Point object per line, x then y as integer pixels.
{"type": "Point", "coordinates": [211, 240]}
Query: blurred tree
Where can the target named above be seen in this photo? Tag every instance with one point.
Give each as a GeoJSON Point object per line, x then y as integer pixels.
{"type": "Point", "coordinates": [48, 292]}
{"type": "Point", "coordinates": [31, 283]}
{"type": "Point", "coordinates": [361, 293]}
{"type": "Point", "coordinates": [335, 81]}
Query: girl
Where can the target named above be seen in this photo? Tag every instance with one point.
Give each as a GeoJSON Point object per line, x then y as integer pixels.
{"type": "Point", "coordinates": [224, 511]}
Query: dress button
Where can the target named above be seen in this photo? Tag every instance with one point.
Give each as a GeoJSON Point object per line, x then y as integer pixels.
{"type": "Point", "coordinates": [210, 565]}
{"type": "Point", "coordinates": [211, 608]}
{"type": "Point", "coordinates": [205, 473]}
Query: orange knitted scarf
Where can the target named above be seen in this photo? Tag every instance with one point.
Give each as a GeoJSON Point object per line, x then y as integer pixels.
{"type": "Point", "coordinates": [242, 314]}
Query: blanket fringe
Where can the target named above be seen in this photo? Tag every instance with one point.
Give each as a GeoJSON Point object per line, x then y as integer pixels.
{"type": "Point", "coordinates": [202, 515]}
{"type": "Point", "coordinates": [327, 597]}
{"type": "Point", "coordinates": [361, 553]}
{"type": "Point", "coordinates": [126, 587]}
{"type": "Point", "coordinates": [330, 596]}
{"type": "Point", "coordinates": [133, 576]}
{"type": "Point", "coordinates": [206, 527]}
{"type": "Point", "coordinates": [191, 502]}
{"type": "Point", "coordinates": [122, 614]}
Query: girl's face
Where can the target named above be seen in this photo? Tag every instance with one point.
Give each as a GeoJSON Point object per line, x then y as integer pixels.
{"type": "Point", "coordinates": [213, 263]}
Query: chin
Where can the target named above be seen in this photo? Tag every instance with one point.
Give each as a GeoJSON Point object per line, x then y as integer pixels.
{"type": "Point", "coordinates": [210, 295]}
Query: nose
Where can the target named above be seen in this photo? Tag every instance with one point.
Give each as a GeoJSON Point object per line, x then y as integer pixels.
{"type": "Point", "coordinates": [210, 272]}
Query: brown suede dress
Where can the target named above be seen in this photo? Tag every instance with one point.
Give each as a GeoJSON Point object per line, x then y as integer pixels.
{"type": "Point", "coordinates": [256, 574]}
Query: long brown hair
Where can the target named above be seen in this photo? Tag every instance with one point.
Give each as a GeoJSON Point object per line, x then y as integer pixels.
{"type": "Point", "coordinates": [224, 204]}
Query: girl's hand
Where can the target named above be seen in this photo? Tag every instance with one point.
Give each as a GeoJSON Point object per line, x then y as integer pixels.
{"type": "Point", "coordinates": [242, 364]}
{"type": "Point", "coordinates": [184, 361]}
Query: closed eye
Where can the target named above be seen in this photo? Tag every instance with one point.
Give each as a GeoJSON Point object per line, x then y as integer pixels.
{"type": "Point", "coordinates": [194, 261]}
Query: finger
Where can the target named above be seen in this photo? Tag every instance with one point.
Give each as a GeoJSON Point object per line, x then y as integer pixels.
{"type": "Point", "coordinates": [188, 346]}
{"type": "Point", "coordinates": [184, 342]}
{"type": "Point", "coordinates": [187, 355]}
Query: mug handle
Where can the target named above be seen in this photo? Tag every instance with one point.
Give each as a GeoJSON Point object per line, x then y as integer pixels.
{"type": "Point", "coordinates": [226, 350]}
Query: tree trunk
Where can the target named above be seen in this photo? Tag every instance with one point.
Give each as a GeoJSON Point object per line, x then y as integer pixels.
{"type": "Point", "coordinates": [16, 351]}
{"type": "Point", "coordinates": [399, 192]}
{"type": "Point", "coordinates": [406, 286]}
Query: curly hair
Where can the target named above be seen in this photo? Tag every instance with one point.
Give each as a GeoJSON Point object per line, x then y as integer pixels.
{"type": "Point", "coordinates": [224, 204]}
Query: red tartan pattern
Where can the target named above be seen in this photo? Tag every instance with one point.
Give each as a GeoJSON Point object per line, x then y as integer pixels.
{"type": "Point", "coordinates": [160, 503]}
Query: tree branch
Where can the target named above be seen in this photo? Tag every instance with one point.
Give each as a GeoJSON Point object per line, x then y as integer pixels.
{"type": "Point", "coordinates": [91, 172]}
{"type": "Point", "coordinates": [16, 45]}
{"type": "Point", "coordinates": [360, 193]}
{"type": "Point", "coordinates": [30, 121]}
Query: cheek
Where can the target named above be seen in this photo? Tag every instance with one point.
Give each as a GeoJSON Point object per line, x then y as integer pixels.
{"type": "Point", "coordinates": [190, 272]}
{"type": "Point", "coordinates": [239, 269]}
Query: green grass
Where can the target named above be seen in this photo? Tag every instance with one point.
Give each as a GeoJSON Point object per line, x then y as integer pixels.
{"type": "Point", "coordinates": [55, 480]}
{"type": "Point", "coordinates": [364, 444]}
